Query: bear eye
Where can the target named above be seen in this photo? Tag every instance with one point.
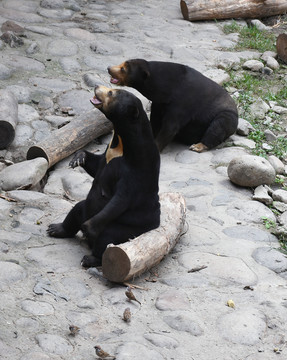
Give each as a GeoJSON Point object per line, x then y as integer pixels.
{"type": "Point", "coordinates": [110, 93]}
{"type": "Point", "coordinates": [122, 69]}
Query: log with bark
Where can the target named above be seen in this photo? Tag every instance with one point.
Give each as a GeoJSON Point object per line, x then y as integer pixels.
{"type": "Point", "coordinates": [71, 137]}
{"type": "Point", "coordinates": [8, 118]}
{"type": "Point", "coordinates": [281, 46]}
{"type": "Point", "coordinates": [193, 10]}
{"type": "Point", "coordinates": [128, 260]}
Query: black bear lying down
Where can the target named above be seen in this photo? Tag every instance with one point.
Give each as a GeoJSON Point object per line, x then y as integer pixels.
{"type": "Point", "coordinates": [186, 105]}
{"type": "Point", "coordinates": [123, 202]}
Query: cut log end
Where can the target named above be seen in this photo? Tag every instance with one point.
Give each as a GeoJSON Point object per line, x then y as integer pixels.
{"type": "Point", "coordinates": [184, 10]}
{"type": "Point", "coordinates": [281, 46]}
{"type": "Point", "coordinates": [7, 134]}
{"type": "Point", "coordinates": [36, 151]}
{"type": "Point", "coordinates": [116, 264]}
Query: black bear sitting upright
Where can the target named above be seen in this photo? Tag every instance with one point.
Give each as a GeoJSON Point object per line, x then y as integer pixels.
{"type": "Point", "coordinates": [123, 202]}
{"type": "Point", "coordinates": [186, 105]}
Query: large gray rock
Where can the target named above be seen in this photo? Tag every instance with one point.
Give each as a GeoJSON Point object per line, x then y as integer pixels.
{"type": "Point", "coordinates": [249, 170]}
{"type": "Point", "coordinates": [24, 174]}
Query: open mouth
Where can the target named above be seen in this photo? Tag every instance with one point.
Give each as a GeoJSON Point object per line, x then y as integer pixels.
{"type": "Point", "coordinates": [114, 81]}
{"type": "Point", "coordinates": [96, 101]}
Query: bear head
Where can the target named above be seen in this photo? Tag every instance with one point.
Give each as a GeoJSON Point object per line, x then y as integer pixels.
{"type": "Point", "coordinates": [121, 107]}
{"type": "Point", "coordinates": [130, 73]}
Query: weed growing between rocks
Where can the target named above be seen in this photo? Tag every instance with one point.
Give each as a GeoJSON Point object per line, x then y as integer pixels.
{"type": "Point", "coordinates": [251, 37]}
{"type": "Point", "coordinates": [261, 96]}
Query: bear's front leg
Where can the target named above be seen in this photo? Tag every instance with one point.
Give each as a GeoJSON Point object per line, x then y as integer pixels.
{"type": "Point", "coordinates": [91, 261]}
{"type": "Point", "coordinates": [72, 223]}
{"type": "Point", "coordinates": [57, 231]}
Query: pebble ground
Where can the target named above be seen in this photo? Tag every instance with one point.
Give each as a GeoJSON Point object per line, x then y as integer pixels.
{"type": "Point", "coordinates": [183, 314]}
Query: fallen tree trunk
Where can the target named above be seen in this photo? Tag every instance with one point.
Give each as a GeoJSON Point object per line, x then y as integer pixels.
{"type": "Point", "coordinates": [8, 118]}
{"type": "Point", "coordinates": [71, 137]}
{"type": "Point", "coordinates": [193, 10]}
{"type": "Point", "coordinates": [281, 46]}
{"type": "Point", "coordinates": [125, 261]}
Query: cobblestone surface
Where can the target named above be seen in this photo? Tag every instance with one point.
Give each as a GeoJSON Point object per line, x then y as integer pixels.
{"type": "Point", "coordinates": [67, 46]}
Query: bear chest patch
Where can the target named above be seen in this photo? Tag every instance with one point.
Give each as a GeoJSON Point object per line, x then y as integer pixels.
{"type": "Point", "coordinates": [115, 148]}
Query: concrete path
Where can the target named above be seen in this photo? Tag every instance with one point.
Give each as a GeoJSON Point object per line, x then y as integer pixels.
{"type": "Point", "coordinates": [67, 46]}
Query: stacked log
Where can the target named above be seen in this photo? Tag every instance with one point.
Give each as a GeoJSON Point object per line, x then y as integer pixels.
{"type": "Point", "coordinates": [193, 10]}
{"type": "Point", "coordinates": [281, 46]}
{"type": "Point", "coordinates": [71, 137]}
{"type": "Point", "coordinates": [128, 260]}
{"type": "Point", "coordinates": [8, 118]}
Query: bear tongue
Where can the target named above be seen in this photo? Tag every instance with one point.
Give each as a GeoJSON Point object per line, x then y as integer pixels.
{"type": "Point", "coordinates": [94, 100]}
{"type": "Point", "coordinates": [114, 81]}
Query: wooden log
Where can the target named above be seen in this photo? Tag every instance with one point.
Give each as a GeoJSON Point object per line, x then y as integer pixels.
{"type": "Point", "coordinates": [281, 46]}
{"type": "Point", "coordinates": [71, 137]}
{"type": "Point", "coordinates": [193, 10]}
{"type": "Point", "coordinates": [8, 118]}
{"type": "Point", "coordinates": [128, 260]}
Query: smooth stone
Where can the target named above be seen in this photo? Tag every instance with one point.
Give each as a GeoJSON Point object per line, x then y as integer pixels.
{"type": "Point", "coordinates": [37, 307]}
{"type": "Point", "coordinates": [55, 85]}
{"type": "Point", "coordinates": [187, 157]}
{"type": "Point", "coordinates": [54, 344]}
{"type": "Point", "coordinates": [81, 318]}
{"type": "Point", "coordinates": [240, 141]}
{"type": "Point", "coordinates": [183, 322]}
{"type": "Point", "coordinates": [269, 135]}
{"type": "Point", "coordinates": [86, 304]}
{"type": "Point", "coordinates": [250, 171]}
{"type": "Point", "coordinates": [280, 195]}
{"type": "Point", "coordinates": [132, 350]}
{"type": "Point", "coordinates": [217, 75]}
{"type": "Point", "coordinates": [226, 269]}
{"type": "Point", "coordinates": [14, 237]}
{"type": "Point", "coordinates": [268, 54]}
{"type": "Point", "coordinates": [23, 135]}
{"type": "Point", "coordinates": [261, 194]}
{"type": "Point", "coordinates": [277, 164]}
{"type": "Point", "coordinates": [28, 324]}
{"type": "Point", "coordinates": [172, 300]}
{"type": "Point", "coordinates": [271, 258]}
{"type": "Point", "coordinates": [24, 63]}
{"type": "Point", "coordinates": [35, 355]}
{"type": "Point", "coordinates": [40, 30]}
{"type": "Point", "coordinates": [199, 235]}
{"type": "Point", "coordinates": [80, 34]}
{"type": "Point", "coordinates": [245, 327]}
{"type": "Point", "coordinates": [259, 25]}
{"type": "Point", "coordinates": [27, 113]}
{"type": "Point", "coordinates": [244, 127]}
{"type": "Point", "coordinates": [21, 16]}
{"type": "Point", "coordinates": [223, 199]}
{"type": "Point", "coordinates": [22, 93]}
{"type": "Point", "coordinates": [279, 109]}
{"type": "Point", "coordinates": [51, 257]}
{"type": "Point", "coordinates": [192, 280]}
{"type": "Point", "coordinates": [76, 288]}
{"type": "Point", "coordinates": [161, 341]}
{"type": "Point", "coordinates": [10, 273]}
{"type": "Point", "coordinates": [62, 48]}
{"type": "Point", "coordinates": [272, 63]}
{"type": "Point", "coordinates": [249, 233]}
{"type": "Point", "coordinates": [57, 121]}
{"type": "Point", "coordinates": [78, 100]}
{"type": "Point", "coordinates": [69, 65]}
{"type": "Point", "coordinates": [5, 72]}
{"type": "Point", "coordinates": [253, 65]}
{"type": "Point", "coordinates": [26, 173]}
{"type": "Point", "coordinates": [280, 206]}
{"type": "Point", "coordinates": [224, 156]}
{"type": "Point", "coordinates": [250, 212]}
{"type": "Point", "coordinates": [62, 14]}
{"type": "Point", "coordinates": [258, 109]}
{"type": "Point", "coordinates": [283, 219]}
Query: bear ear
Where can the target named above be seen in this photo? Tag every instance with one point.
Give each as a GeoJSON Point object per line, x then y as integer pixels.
{"type": "Point", "coordinates": [134, 111]}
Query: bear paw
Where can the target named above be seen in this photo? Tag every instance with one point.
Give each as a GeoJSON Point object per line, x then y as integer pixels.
{"type": "Point", "coordinates": [78, 160]}
{"type": "Point", "coordinates": [90, 261]}
{"type": "Point", "coordinates": [57, 230]}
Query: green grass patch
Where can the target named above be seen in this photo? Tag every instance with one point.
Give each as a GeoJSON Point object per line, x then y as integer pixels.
{"type": "Point", "coordinates": [251, 37]}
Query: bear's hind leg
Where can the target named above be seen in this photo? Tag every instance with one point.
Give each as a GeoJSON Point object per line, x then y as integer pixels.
{"type": "Point", "coordinates": [222, 126]}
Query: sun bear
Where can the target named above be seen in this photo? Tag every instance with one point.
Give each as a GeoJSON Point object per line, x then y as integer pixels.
{"type": "Point", "coordinates": [186, 105]}
{"type": "Point", "coordinates": [123, 202]}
